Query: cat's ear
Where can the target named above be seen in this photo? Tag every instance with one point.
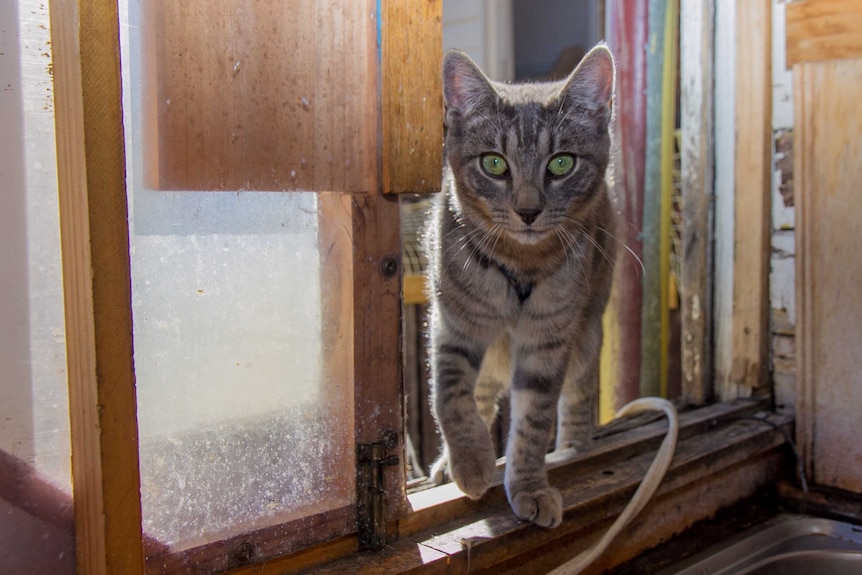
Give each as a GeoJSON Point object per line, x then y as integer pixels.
{"type": "Point", "coordinates": [465, 88]}
{"type": "Point", "coordinates": [593, 80]}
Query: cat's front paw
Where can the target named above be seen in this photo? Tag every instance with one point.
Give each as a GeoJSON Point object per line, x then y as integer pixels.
{"type": "Point", "coordinates": [578, 445]}
{"type": "Point", "coordinates": [473, 470]}
{"type": "Point", "coordinates": [543, 507]}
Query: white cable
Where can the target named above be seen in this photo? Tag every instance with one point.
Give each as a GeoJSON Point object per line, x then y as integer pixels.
{"type": "Point", "coordinates": [645, 490]}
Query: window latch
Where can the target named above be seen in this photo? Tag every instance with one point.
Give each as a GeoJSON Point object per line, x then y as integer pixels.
{"type": "Point", "coordinates": [371, 459]}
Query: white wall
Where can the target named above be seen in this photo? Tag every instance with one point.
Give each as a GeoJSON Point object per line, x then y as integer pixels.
{"type": "Point", "coordinates": [484, 30]}
{"type": "Point", "coordinates": [34, 412]}
{"type": "Point", "coordinates": [34, 405]}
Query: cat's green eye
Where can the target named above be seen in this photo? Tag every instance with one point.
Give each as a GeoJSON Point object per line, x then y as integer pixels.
{"type": "Point", "coordinates": [561, 164]}
{"type": "Point", "coordinates": [494, 165]}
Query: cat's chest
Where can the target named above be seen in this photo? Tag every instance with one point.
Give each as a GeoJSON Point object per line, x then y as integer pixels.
{"type": "Point", "coordinates": [507, 293]}
{"type": "Point", "coordinates": [490, 286]}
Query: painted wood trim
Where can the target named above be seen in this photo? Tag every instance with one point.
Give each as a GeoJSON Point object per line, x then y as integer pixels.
{"type": "Point", "coordinates": [620, 358]}
{"type": "Point", "coordinates": [822, 30]}
{"type": "Point", "coordinates": [658, 195]}
{"type": "Point", "coordinates": [753, 180]}
{"type": "Point", "coordinates": [411, 37]}
{"type": "Point", "coordinates": [654, 308]}
{"type": "Point", "coordinates": [697, 33]}
{"type": "Point", "coordinates": [669, 95]}
{"type": "Point", "coordinates": [97, 286]}
{"type": "Point", "coordinates": [414, 289]}
{"type": "Point", "coordinates": [725, 140]}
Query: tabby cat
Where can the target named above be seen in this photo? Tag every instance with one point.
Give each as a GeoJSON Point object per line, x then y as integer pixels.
{"type": "Point", "coordinates": [520, 265]}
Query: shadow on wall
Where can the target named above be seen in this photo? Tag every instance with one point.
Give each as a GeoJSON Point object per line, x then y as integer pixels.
{"type": "Point", "coordinates": [16, 403]}
{"type": "Point", "coordinates": [37, 522]}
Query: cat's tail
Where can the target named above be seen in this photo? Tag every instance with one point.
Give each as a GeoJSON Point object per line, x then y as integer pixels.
{"type": "Point", "coordinates": [645, 490]}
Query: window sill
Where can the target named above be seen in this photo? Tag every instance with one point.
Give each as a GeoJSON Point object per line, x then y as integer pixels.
{"type": "Point", "coordinates": [723, 456]}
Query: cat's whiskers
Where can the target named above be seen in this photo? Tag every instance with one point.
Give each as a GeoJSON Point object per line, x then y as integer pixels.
{"type": "Point", "coordinates": [498, 228]}
{"type": "Point", "coordinates": [464, 241]}
{"type": "Point", "coordinates": [592, 240]}
{"type": "Point", "coordinates": [572, 243]}
{"type": "Point", "coordinates": [473, 252]}
{"type": "Point", "coordinates": [563, 243]}
{"type": "Point", "coordinates": [458, 228]}
{"type": "Point", "coordinates": [487, 236]}
{"type": "Point", "coordinates": [623, 244]}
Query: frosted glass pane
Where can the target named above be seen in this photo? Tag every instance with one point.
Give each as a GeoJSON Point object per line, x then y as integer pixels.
{"type": "Point", "coordinates": [236, 423]}
{"type": "Point", "coordinates": [245, 396]}
{"type": "Point", "coordinates": [213, 310]}
{"type": "Point", "coordinates": [36, 512]}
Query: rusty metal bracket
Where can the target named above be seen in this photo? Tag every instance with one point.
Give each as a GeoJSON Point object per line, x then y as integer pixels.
{"type": "Point", "coordinates": [371, 459]}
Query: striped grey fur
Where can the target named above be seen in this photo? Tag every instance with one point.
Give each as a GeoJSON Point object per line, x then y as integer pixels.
{"type": "Point", "coordinates": [520, 267]}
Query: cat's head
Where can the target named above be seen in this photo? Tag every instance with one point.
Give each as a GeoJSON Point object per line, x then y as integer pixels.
{"type": "Point", "coordinates": [527, 158]}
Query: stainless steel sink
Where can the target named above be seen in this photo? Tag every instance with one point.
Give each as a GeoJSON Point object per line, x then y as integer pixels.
{"type": "Point", "coordinates": [785, 545]}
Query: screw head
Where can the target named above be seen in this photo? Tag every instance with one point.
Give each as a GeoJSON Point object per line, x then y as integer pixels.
{"type": "Point", "coordinates": [389, 267]}
{"type": "Point", "coordinates": [243, 552]}
{"type": "Point", "coordinates": [390, 439]}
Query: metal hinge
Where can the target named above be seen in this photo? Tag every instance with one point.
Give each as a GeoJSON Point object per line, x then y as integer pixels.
{"type": "Point", "coordinates": [371, 458]}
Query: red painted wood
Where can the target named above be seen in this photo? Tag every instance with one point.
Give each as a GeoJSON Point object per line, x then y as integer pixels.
{"type": "Point", "coordinates": [626, 29]}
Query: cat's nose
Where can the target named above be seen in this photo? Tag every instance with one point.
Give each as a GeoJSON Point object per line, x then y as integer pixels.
{"type": "Point", "coordinates": [528, 215]}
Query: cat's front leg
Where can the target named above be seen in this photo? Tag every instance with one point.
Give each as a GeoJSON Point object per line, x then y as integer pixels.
{"type": "Point", "coordinates": [534, 399]}
{"type": "Point", "coordinates": [468, 446]}
{"type": "Point", "coordinates": [577, 411]}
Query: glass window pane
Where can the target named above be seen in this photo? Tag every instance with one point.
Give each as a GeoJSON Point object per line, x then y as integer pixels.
{"type": "Point", "coordinates": [242, 354]}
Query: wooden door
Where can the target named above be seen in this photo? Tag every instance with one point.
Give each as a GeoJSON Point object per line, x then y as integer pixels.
{"type": "Point", "coordinates": [824, 45]}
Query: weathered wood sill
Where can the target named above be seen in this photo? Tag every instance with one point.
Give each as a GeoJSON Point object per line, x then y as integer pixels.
{"type": "Point", "coordinates": [724, 455]}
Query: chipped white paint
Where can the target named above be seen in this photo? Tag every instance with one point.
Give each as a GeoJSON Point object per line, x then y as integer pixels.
{"type": "Point", "coordinates": [782, 276]}
{"type": "Point", "coordinates": [782, 286]}
{"type": "Point", "coordinates": [782, 77]}
{"type": "Point", "coordinates": [725, 89]}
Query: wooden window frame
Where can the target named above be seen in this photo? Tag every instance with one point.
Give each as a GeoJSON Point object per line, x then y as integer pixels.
{"type": "Point", "coordinates": [95, 242]}
{"type": "Point", "coordinates": [433, 530]}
